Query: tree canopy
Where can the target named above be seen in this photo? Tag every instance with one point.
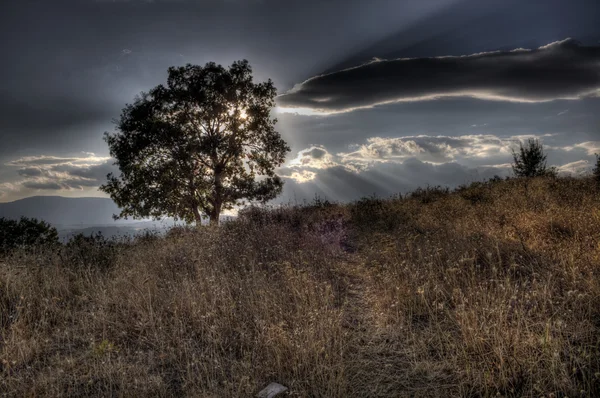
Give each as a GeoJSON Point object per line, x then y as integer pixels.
{"type": "Point", "coordinates": [200, 144]}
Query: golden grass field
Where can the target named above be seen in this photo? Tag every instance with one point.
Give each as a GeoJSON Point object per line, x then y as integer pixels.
{"type": "Point", "coordinates": [490, 290]}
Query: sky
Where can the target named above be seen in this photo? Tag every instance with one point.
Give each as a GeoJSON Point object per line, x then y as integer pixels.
{"type": "Point", "coordinates": [375, 97]}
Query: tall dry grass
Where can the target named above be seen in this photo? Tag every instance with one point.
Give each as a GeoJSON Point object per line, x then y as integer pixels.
{"type": "Point", "coordinates": [490, 290]}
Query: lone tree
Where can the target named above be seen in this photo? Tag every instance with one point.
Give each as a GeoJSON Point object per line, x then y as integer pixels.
{"type": "Point", "coordinates": [530, 160]}
{"type": "Point", "coordinates": [203, 143]}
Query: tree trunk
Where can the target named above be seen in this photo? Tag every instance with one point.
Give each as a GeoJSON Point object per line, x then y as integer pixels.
{"type": "Point", "coordinates": [216, 210]}
{"type": "Point", "coordinates": [215, 214]}
{"type": "Point", "coordinates": [197, 216]}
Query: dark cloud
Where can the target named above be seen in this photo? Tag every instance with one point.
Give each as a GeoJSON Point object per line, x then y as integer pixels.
{"type": "Point", "coordinates": [316, 153]}
{"type": "Point", "coordinates": [69, 66]}
{"type": "Point", "coordinates": [560, 70]}
{"type": "Point", "coordinates": [473, 26]}
{"type": "Point", "coordinates": [30, 172]}
{"type": "Point", "coordinates": [95, 172]}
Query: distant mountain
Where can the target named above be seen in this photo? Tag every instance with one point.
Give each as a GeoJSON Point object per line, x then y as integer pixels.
{"type": "Point", "coordinates": [58, 210]}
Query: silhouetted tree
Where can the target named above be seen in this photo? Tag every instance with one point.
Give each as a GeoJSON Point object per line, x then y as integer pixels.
{"type": "Point", "coordinates": [199, 145]}
{"type": "Point", "coordinates": [530, 160]}
{"type": "Point", "coordinates": [25, 233]}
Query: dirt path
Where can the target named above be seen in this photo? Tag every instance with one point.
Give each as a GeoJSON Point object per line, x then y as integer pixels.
{"type": "Point", "coordinates": [379, 359]}
{"type": "Point", "coordinates": [361, 323]}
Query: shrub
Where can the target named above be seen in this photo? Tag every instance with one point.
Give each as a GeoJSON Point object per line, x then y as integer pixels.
{"type": "Point", "coordinates": [596, 169]}
{"type": "Point", "coordinates": [25, 233]}
{"type": "Point", "coordinates": [373, 213]}
{"type": "Point", "coordinates": [476, 193]}
{"type": "Point", "coordinates": [93, 251]}
{"type": "Point", "coordinates": [429, 194]}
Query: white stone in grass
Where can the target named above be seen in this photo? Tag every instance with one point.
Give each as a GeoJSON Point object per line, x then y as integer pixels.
{"type": "Point", "coordinates": [272, 390]}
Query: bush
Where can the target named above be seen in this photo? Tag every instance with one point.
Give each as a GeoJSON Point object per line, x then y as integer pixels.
{"type": "Point", "coordinates": [476, 193]}
{"type": "Point", "coordinates": [93, 251]}
{"type": "Point", "coordinates": [373, 213]}
{"type": "Point", "coordinates": [25, 233]}
{"type": "Point", "coordinates": [429, 194]}
{"type": "Point", "coordinates": [297, 217]}
{"type": "Point", "coordinates": [596, 169]}
{"type": "Point", "coordinates": [367, 211]}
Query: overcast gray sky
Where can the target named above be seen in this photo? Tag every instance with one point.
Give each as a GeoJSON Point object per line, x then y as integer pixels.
{"type": "Point", "coordinates": [377, 96]}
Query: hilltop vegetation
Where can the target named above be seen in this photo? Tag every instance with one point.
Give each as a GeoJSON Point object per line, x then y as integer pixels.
{"type": "Point", "coordinates": [25, 233]}
{"type": "Point", "coordinates": [491, 289]}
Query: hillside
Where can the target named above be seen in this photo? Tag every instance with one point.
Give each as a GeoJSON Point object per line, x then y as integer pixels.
{"type": "Point", "coordinates": [490, 290]}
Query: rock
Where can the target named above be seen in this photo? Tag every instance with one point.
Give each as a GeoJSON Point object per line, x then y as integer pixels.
{"type": "Point", "coordinates": [272, 390]}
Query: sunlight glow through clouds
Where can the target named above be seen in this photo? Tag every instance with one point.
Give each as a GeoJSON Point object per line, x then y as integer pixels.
{"type": "Point", "coordinates": [303, 176]}
{"type": "Point", "coordinates": [481, 95]}
{"type": "Point", "coordinates": [89, 160]}
{"type": "Point", "coordinates": [302, 111]}
{"type": "Point", "coordinates": [466, 150]}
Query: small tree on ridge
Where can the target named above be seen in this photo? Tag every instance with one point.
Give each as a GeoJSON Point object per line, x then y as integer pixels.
{"type": "Point", "coordinates": [530, 160]}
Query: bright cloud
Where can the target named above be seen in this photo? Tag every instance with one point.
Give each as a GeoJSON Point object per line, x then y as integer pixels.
{"type": "Point", "coordinates": [433, 149]}
{"type": "Point", "coordinates": [477, 156]}
{"type": "Point", "coordinates": [42, 173]}
{"type": "Point", "coordinates": [590, 147]}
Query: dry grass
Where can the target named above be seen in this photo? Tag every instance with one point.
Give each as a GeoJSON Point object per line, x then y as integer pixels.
{"type": "Point", "coordinates": [490, 290]}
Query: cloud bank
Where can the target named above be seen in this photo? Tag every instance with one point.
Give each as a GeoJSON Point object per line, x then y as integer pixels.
{"type": "Point", "coordinates": [433, 152]}
{"type": "Point", "coordinates": [432, 149]}
{"type": "Point", "coordinates": [559, 70]}
{"type": "Point", "coordinates": [389, 165]}
{"type": "Point", "coordinates": [341, 183]}
{"type": "Point", "coordinates": [43, 173]}
{"type": "Point", "coordinates": [378, 165]}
